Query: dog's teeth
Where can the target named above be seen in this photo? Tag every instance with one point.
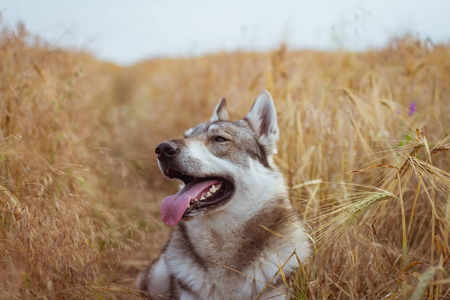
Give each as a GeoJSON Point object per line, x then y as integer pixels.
{"type": "Point", "coordinates": [208, 194]}
{"type": "Point", "coordinates": [213, 189]}
{"type": "Point", "coordinates": [202, 198]}
{"type": "Point", "coordinates": [189, 205]}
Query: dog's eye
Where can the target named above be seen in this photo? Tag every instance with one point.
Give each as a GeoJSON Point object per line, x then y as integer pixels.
{"type": "Point", "coordinates": [220, 139]}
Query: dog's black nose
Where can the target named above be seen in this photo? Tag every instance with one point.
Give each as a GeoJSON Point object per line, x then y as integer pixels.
{"type": "Point", "coordinates": [166, 150]}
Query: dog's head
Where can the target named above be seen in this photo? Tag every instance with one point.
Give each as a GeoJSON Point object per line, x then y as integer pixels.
{"type": "Point", "coordinates": [220, 160]}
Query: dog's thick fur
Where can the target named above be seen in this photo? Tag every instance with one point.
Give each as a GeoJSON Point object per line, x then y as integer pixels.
{"type": "Point", "coordinates": [215, 244]}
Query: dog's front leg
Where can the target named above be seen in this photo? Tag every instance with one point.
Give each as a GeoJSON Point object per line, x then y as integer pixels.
{"type": "Point", "coordinates": [155, 280]}
{"type": "Point", "coordinates": [187, 296]}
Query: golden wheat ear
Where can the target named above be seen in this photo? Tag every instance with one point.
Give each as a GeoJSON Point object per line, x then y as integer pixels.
{"type": "Point", "coordinates": [263, 119]}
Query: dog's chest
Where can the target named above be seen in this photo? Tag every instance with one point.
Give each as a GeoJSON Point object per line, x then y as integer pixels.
{"type": "Point", "coordinates": [215, 279]}
{"type": "Point", "coordinates": [214, 265]}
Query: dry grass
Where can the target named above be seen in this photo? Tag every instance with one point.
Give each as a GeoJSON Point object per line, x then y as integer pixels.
{"type": "Point", "coordinates": [80, 190]}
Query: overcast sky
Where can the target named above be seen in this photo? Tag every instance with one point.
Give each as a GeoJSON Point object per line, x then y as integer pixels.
{"type": "Point", "coordinates": [126, 31]}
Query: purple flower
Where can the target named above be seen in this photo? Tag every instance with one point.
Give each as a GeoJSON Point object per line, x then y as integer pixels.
{"type": "Point", "coordinates": [412, 108]}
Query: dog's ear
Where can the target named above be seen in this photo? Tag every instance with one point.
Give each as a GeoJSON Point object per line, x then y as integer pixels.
{"type": "Point", "coordinates": [263, 118]}
{"type": "Point", "coordinates": [221, 112]}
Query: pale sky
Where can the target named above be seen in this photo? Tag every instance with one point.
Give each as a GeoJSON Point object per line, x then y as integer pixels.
{"type": "Point", "coordinates": [127, 31]}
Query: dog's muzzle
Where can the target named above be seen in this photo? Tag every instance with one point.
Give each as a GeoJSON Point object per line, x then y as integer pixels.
{"type": "Point", "coordinates": [166, 150]}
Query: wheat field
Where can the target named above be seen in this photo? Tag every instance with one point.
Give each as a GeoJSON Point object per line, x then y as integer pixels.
{"type": "Point", "coordinates": [365, 149]}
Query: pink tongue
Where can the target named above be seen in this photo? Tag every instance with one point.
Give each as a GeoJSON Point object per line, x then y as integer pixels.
{"type": "Point", "coordinates": [173, 207]}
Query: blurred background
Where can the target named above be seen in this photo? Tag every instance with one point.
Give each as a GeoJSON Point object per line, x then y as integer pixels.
{"type": "Point", "coordinates": [126, 32]}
